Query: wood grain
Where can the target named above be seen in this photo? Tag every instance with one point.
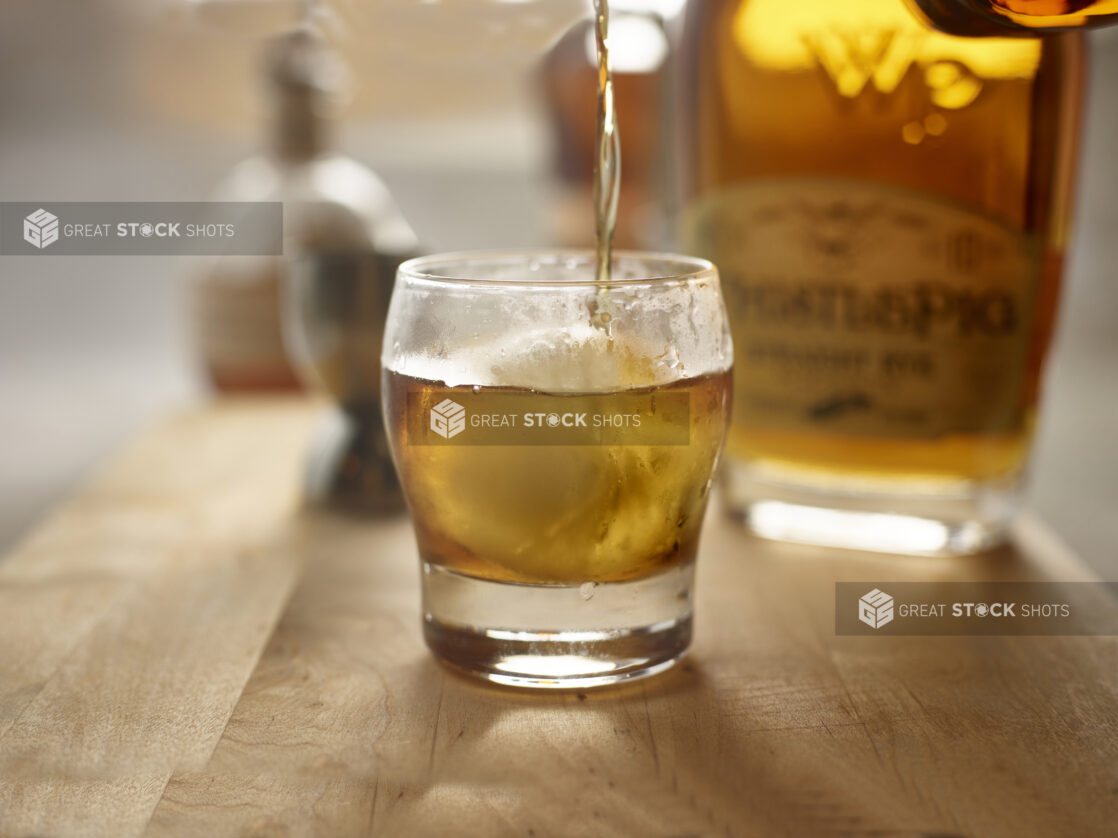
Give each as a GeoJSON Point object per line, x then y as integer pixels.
{"type": "Point", "coordinates": [773, 726]}
{"type": "Point", "coordinates": [132, 620]}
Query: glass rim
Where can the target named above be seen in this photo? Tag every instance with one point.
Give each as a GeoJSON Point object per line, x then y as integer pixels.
{"type": "Point", "coordinates": [423, 268]}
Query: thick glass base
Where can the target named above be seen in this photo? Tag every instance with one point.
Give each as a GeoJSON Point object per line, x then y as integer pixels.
{"type": "Point", "coordinates": [555, 636]}
{"type": "Point", "coordinates": [914, 517]}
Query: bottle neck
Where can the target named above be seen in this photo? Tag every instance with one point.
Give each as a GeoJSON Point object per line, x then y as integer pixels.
{"type": "Point", "coordinates": [299, 130]}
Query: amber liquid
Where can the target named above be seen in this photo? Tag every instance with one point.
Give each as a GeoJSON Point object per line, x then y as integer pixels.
{"type": "Point", "coordinates": [979, 17]}
{"type": "Point", "coordinates": [558, 514]}
{"type": "Point", "coordinates": [866, 96]}
{"type": "Point", "coordinates": [607, 166]}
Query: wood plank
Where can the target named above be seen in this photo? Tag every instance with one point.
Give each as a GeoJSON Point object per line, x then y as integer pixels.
{"type": "Point", "coordinates": [133, 618]}
{"type": "Point", "coordinates": [299, 753]}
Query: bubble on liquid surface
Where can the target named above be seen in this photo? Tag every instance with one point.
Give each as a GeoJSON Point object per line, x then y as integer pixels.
{"type": "Point", "coordinates": [586, 590]}
{"type": "Point", "coordinates": [669, 359]}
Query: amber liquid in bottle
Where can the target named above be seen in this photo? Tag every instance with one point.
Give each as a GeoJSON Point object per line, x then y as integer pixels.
{"type": "Point", "coordinates": [887, 206]}
{"type": "Point", "coordinates": [977, 17]}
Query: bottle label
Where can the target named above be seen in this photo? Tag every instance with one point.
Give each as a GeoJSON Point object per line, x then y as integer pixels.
{"type": "Point", "coordinates": [239, 316]}
{"type": "Point", "coordinates": [859, 308]}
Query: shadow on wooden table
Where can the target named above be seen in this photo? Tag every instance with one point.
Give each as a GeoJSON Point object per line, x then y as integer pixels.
{"type": "Point", "coordinates": [772, 726]}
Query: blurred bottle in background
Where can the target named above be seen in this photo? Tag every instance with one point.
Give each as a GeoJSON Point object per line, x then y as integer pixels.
{"type": "Point", "coordinates": [888, 207]}
{"type": "Point", "coordinates": [332, 204]}
{"type": "Point", "coordinates": [977, 17]}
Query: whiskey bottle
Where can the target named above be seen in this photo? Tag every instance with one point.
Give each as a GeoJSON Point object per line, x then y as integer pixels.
{"type": "Point", "coordinates": [888, 207]}
{"type": "Point", "coordinates": [977, 17]}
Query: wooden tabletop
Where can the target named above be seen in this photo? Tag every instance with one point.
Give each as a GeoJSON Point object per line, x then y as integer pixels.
{"type": "Point", "coordinates": [183, 651]}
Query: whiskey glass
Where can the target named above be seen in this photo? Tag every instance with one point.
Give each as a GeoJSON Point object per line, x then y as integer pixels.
{"type": "Point", "coordinates": [556, 439]}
